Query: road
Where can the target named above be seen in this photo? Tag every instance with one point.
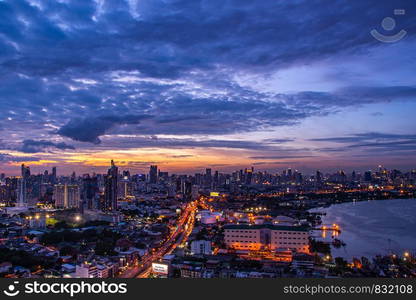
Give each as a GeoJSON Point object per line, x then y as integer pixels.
{"type": "Point", "coordinates": [178, 236]}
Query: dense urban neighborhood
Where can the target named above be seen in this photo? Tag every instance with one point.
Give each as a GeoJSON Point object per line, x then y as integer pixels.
{"type": "Point", "coordinates": [248, 224]}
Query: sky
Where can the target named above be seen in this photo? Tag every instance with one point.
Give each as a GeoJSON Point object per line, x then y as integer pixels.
{"type": "Point", "coordinates": [225, 84]}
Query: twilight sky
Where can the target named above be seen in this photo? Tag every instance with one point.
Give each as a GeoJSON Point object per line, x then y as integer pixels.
{"type": "Point", "coordinates": [197, 83]}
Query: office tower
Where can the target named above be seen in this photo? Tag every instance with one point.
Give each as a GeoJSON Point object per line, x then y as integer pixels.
{"type": "Point", "coordinates": [248, 173]}
{"type": "Point", "coordinates": [318, 177]}
{"type": "Point", "coordinates": [89, 191]}
{"type": "Point", "coordinates": [59, 195]}
{"type": "Point", "coordinates": [368, 176]}
{"type": "Point", "coordinates": [353, 176]}
{"type": "Point", "coordinates": [53, 177]}
{"type": "Point", "coordinates": [126, 174]}
{"type": "Point", "coordinates": [163, 176]}
{"type": "Point", "coordinates": [22, 195]}
{"type": "Point", "coordinates": [124, 188]}
{"type": "Point", "coordinates": [66, 196]}
{"type": "Point", "coordinates": [153, 174]}
{"type": "Point", "coordinates": [298, 177]}
{"type": "Point", "coordinates": [289, 173]}
{"type": "Point", "coordinates": [110, 193]}
{"type": "Point", "coordinates": [208, 177]}
{"type": "Point", "coordinates": [198, 178]}
{"type": "Point", "coordinates": [216, 179]}
{"type": "Point", "coordinates": [72, 196]}
{"type": "Point", "coordinates": [186, 187]}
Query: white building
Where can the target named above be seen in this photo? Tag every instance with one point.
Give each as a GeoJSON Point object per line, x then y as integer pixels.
{"type": "Point", "coordinates": [273, 237]}
{"type": "Point", "coordinates": [86, 270]}
{"type": "Point", "coordinates": [201, 247]}
{"type": "Point", "coordinates": [207, 217]}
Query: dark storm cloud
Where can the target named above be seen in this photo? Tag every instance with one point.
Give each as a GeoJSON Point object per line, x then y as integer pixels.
{"type": "Point", "coordinates": [169, 38]}
{"type": "Point", "coordinates": [90, 129]}
{"type": "Point", "coordinates": [32, 146]}
{"type": "Point", "coordinates": [82, 69]}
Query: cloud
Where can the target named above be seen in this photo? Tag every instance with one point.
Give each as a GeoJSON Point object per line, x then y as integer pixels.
{"type": "Point", "coordinates": [360, 137]}
{"type": "Point", "coordinates": [377, 114]}
{"type": "Point", "coordinates": [90, 129]}
{"type": "Point", "coordinates": [33, 146]}
{"type": "Point", "coordinates": [5, 157]}
{"type": "Point", "coordinates": [280, 141]}
{"type": "Point", "coordinates": [270, 163]}
{"type": "Point", "coordinates": [183, 143]}
{"type": "Point", "coordinates": [92, 71]}
{"type": "Point", "coordinates": [281, 156]}
{"type": "Point", "coordinates": [182, 156]}
{"type": "Point", "coordinates": [376, 142]}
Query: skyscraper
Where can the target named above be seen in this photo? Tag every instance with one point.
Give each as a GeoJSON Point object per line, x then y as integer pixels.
{"type": "Point", "coordinates": [153, 174]}
{"type": "Point", "coordinates": [22, 196]}
{"type": "Point", "coordinates": [53, 176]}
{"type": "Point", "coordinates": [110, 193]}
{"type": "Point", "coordinates": [73, 196]}
{"type": "Point", "coordinates": [89, 191]}
{"type": "Point", "coordinates": [208, 177]}
{"type": "Point", "coordinates": [59, 195]}
{"type": "Point", "coordinates": [66, 196]}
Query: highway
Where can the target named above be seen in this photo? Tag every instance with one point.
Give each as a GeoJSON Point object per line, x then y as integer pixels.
{"type": "Point", "coordinates": [178, 237]}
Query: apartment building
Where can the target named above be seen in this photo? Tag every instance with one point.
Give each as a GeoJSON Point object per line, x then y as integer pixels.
{"type": "Point", "coordinates": [266, 236]}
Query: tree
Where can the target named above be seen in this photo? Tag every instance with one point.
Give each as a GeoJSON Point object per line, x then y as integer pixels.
{"type": "Point", "coordinates": [61, 225]}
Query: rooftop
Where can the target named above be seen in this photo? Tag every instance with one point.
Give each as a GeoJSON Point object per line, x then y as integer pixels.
{"type": "Point", "coordinates": [263, 226]}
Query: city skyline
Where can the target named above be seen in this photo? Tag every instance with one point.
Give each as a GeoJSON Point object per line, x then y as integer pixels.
{"type": "Point", "coordinates": [185, 86]}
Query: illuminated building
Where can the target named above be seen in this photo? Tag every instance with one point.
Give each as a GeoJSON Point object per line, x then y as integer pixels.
{"type": "Point", "coordinates": [22, 200]}
{"type": "Point", "coordinates": [153, 174]}
{"type": "Point", "coordinates": [208, 177]}
{"type": "Point", "coordinates": [201, 247]}
{"type": "Point", "coordinates": [66, 196]}
{"type": "Point", "coordinates": [273, 237]}
{"type": "Point", "coordinates": [110, 194]}
{"type": "Point", "coordinates": [86, 270]}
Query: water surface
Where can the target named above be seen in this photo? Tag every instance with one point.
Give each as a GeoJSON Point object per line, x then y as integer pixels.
{"type": "Point", "coordinates": [372, 227]}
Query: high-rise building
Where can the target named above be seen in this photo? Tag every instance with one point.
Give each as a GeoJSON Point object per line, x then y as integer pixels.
{"type": "Point", "coordinates": [153, 174]}
{"type": "Point", "coordinates": [59, 195]}
{"type": "Point", "coordinates": [249, 176]}
{"type": "Point", "coordinates": [368, 176]}
{"type": "Point", "coordinates": [22, 194]}
{"type": "Point", "coordinates": [208, 177]}
{"type": "Point", "coordinates": [72, 196]}
{"type": "Point", "coordinates": [89, 191]}
{"type": "Point", "coordinates": [66, 196]}
{"type": "Point", "coordinates": [124, 188]}
{"type": "Point", "coordinates": [318, 177]}
{"type": "Point", "coordinates": [110, 193]}
{"type": "Point", "coordinates": [53, 176]}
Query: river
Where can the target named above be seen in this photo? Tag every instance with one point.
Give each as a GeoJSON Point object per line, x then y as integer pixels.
{"type": "Point", "coordinates": [372, 227]}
